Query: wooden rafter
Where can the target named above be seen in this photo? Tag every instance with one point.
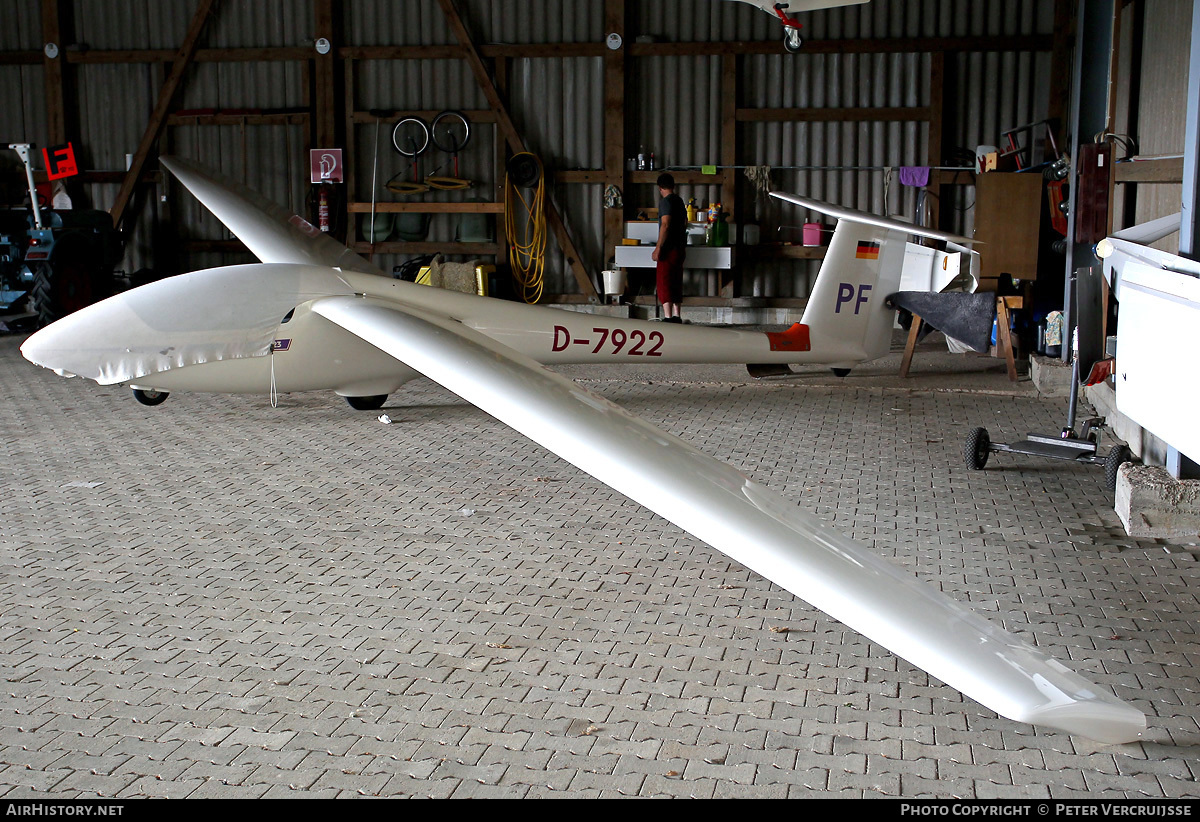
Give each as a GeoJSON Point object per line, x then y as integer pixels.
{"type": "Point", "coordinates": [158, 119]}
{"type": "Point", "coordinates": [505, 123]}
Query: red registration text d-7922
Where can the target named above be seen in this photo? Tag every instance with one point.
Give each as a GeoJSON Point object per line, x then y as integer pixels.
{"type": "Point", "coordinates": [634, 343]}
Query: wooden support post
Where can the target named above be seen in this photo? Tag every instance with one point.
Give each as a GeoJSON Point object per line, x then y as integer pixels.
{"type": "Point", "coordinates": [500, 147]}
{"type": "Point", "coordinates": [55, 20]}
{"type": "Point", "coordinates": [914, 332]}
{"type": "Point", "coordinates": [729, 157]}
{"type": "Point", "coordinates": [350, 155]}
{"type": "Point", "coordinates": [508, 129]}
{"type": "Point", "coordinates": [1062, 49]}
{"type": "Point", "coordinates": [614, 122]}
{"type": "Point", "coordinates": [1003, 337]}
{"type": "Point", "coordinates": [933, 155]}
{"type": "Point", "coordinates": [158, 118]}
{"type": "Point", "coordinates": [324, 76]}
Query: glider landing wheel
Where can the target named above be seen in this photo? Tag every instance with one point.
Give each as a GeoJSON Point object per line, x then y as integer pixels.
{"type": "Point", "coordinates": [840, 372]}
{"type": "Point", "coordinates": [977, 449]}
{"type": "Point", "coordinates": [372, 403]}
{"type": "Point", "coordinates": [792, 39]}
{"type": "Point", "coordinates": [1117, 456]}
{"type": "Point", "coordinates": [149, 396]}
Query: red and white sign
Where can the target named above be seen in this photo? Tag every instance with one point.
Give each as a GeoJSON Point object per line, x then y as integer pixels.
{"type": "Point", "coordinates": [326, 165]}
{"type": "Point", "coordinates": [60, 162]}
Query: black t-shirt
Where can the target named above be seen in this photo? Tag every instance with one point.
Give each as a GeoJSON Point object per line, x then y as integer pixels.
{"type": "Point", "coordinates": [672, 206]}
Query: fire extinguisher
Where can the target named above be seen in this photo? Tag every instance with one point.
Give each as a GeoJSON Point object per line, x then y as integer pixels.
{"type": "Point", "coordinates": [323, 208]}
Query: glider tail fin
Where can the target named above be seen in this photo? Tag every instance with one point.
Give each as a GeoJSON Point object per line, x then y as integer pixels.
{"type": "Point", "coordinates": [846, 308]}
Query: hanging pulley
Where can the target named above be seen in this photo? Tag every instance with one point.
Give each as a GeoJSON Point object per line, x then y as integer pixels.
{"type": "Point", "coordinates": [524, 170]}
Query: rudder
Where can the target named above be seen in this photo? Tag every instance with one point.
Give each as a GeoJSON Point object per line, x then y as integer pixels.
{"type": "Point", "coordinates": [846, 309]}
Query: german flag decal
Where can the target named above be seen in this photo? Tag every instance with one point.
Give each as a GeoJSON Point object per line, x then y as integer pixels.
{"type": "Point", "coordinates": [867, 251]}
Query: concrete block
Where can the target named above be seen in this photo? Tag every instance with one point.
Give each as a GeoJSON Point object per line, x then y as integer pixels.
{"type": "Point", "coordinates": [1152, 503]}
{"type": "Point", "coordinates": [1051, 377]}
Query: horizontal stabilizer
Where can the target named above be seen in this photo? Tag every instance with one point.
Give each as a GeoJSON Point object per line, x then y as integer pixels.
{"type": "Point", "coordinates": [843, 213]}
{"type": "Point", "coordinates": [967, 318]}
{"type": "Point", "coordinates": [1152, 231]}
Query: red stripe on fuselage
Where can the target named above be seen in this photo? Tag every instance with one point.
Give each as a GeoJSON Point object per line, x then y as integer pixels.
{"type": "Point", "coordinates": [794, 339]}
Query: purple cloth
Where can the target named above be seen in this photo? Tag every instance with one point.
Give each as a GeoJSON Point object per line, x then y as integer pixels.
{"type": "Point", "coordinates": [914, 176]}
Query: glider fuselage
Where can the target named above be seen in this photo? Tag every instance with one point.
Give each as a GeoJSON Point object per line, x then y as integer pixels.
{"type": "Point", "coordinates": [310, 353]}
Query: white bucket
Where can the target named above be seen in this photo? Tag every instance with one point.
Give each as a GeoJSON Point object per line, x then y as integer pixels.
{"type": "Point", "coordinates": [614, 280]}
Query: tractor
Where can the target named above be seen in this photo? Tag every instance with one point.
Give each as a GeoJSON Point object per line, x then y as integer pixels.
{"type": "Point", "coordinates": [60, 260]}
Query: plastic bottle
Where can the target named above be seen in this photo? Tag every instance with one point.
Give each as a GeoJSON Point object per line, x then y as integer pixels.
{"type": "Point", "coordinates": [652, 161]}
{"type": "Point", "coordinates": [720, 228]}
{"type": "Point", "coordinates": [691, 210]}
{"type": "Point", "coordinates": [642, 159]}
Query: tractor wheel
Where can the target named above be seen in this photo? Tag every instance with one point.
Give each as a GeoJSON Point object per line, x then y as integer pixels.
{"type": "Point", "coordinates": [1117, 456]}
{"type": "Point", "coordinates": [70, 280]}
{"type": "Point", "coordinates": [40, 301]}
{"type": "Point", "coordinates": [372, 403]}
{"type": "Point", "coordinates": [977, 449]}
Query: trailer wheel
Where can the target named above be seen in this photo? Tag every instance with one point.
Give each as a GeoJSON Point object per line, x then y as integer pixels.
{"type": "Point", "coordinates": [1117, 456]}
{"type": "Point", "coordinates": [371, 403]}
{"type": "Point", "coordinates": [977, 449]}
{"type": "Point", "coordinates": [149, 396]}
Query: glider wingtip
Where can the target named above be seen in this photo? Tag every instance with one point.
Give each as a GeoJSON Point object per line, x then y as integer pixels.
{"type": "Point", "coordinates": [1107, 722]}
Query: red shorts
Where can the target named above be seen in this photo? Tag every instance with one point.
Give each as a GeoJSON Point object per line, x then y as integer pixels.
{"type": "Point", "coordinates": [670, 276]}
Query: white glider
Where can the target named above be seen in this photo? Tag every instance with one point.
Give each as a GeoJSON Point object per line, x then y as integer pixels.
{"type": "Point", "coordinates": [314, 315]}
{"type": "Point", "coordinates": [784, 9]}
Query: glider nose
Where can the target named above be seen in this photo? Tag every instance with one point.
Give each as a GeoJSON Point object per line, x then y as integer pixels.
{"type": "Point", "coordinates": [43, 347]}
{"type": "Point", "coordinates": [216, 314]}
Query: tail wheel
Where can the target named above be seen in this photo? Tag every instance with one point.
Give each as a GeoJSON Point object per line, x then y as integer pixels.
{"type": "Point", "coordinates": [372, 403]}
{"type": "Point", "coordinates": [1117, 456]}
{"type": "Point", "coordinates": [148, 396]}
{"type": "Point", "coordinates": [792, 39]}
{"type": "Point", "coordinates": [976, 449]}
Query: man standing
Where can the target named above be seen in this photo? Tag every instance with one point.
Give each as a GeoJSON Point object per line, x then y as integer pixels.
{"type": "Point", "coordinates": [671, 248]}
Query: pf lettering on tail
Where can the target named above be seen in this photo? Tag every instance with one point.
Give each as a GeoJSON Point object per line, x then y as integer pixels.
{"type": "Point", "coordinates": [846, 293]}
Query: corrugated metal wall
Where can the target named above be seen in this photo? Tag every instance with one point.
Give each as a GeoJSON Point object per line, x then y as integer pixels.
{"type": "Point", "coordinates": [1163, 102]}
{"type": "Point", "coordinates": [22, 90]}
{"type": "Point", "coordinates": [556, 101]}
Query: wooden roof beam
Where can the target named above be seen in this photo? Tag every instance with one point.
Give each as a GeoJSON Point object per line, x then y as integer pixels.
{"type": "Point", "coordinates": [158, 119]}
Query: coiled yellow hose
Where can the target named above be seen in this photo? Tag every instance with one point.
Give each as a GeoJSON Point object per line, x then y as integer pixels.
{"type": "Point", "coordinates": [525, 228]}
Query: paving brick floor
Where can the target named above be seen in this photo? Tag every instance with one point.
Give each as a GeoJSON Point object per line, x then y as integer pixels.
{"type": "Point", "coordinates": [215, 597]}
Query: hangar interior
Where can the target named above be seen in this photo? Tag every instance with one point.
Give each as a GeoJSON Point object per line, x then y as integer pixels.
{"type": "Point", "coordinates": [1038, 129]}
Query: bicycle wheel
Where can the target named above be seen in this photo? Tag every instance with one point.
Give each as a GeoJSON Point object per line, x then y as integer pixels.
{"type": "Point", "coordinates": [451, 131]}
{"type": "Point", "coordinates": [410, 136]}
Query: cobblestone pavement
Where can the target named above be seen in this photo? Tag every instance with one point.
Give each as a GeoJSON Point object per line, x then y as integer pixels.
{"type": "Point", "coordinates": [217, 598]}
